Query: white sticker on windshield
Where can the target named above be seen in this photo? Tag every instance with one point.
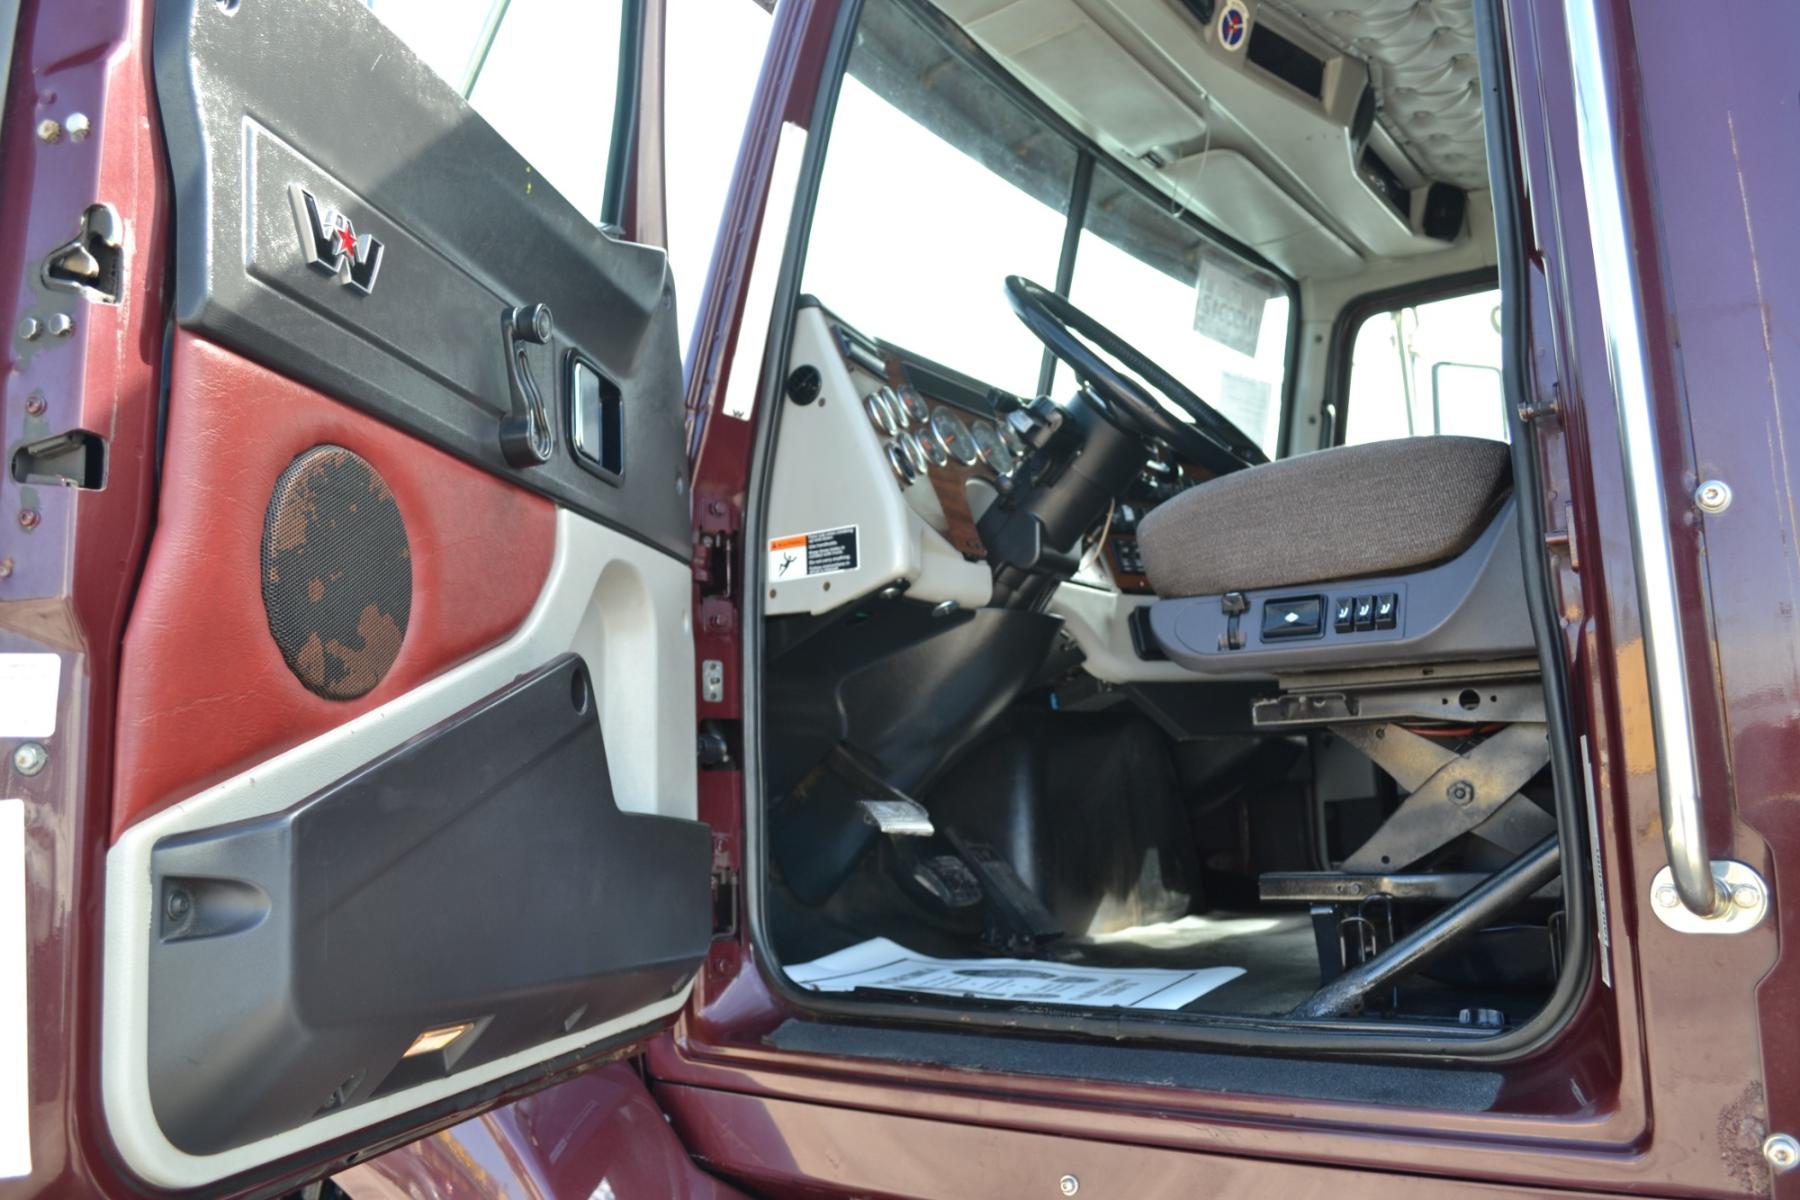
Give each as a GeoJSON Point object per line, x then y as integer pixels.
{"type": "Point", "coordinates": [28, 687]}
{"type": "Point", "coordinates": [15, 1100]}
{"type": "Point", "coordinates": [1245, 401]}
{"type": "Point", "coordinates": [1228, 308]}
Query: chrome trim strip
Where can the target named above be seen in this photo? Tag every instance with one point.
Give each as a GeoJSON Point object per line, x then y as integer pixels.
{"type": "Point", "coordinates": [1677, 772]}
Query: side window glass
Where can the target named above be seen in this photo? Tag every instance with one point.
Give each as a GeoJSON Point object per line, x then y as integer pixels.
{"type": "Point", "coordinates": [544, 73]}
{"type": "Point", "coordinates": [1426, 369]}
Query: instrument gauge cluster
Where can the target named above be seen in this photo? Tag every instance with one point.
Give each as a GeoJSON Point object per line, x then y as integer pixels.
{"type": "Point", "coordinates": [919, 435]}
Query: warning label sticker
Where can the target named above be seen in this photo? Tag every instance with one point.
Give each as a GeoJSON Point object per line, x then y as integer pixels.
{"type": "Point", "coordinates": [823, 552]}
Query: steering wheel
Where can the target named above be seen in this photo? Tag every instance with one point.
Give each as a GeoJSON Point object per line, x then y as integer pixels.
{"type": "Point", "coordinates": [1212, 441]}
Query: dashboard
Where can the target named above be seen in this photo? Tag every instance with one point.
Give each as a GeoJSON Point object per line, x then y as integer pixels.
{"type": "Point", "coordinates": [948, 448]}
{"type": "Point", "coordinates": [885, 463]}
{"type": "Point", "coordinates": [943, 430]}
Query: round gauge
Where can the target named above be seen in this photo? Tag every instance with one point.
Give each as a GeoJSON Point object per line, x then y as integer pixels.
{"type": "Point", "coordinates": [1009, 437]}
{"type": "Point", "coordinates": [948, 430]}
{"type": "Point", "coordinates": [895, 407]}
{"type": "Point", "coordinates": [902, 465]}
{"type": "Point", "coordinates": [914, 446]}
{"type": "Point", "coordinates": [993, 451]}
{"type": "Point", "coordinates": [913, 405]}
{"type": "Point", "coordinates": [934, 452]}
{"type": "Point", "coordinates": [881, 411]}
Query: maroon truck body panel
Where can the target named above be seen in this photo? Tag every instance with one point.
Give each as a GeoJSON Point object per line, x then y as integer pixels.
{"type": "Point", "coordinates": [600, 1134]}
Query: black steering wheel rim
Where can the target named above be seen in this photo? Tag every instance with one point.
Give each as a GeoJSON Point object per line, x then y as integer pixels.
{"type": "Point", "coordinates": [1212, 441]}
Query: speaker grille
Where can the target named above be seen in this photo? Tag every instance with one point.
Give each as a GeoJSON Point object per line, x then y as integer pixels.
{"type": "Point", "coordinates": [336, 572]}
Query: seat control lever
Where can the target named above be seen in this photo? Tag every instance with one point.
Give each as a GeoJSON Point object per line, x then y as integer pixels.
{"type": "Point", "coordinates": [1234, 605]}
{"type": "Point", "coordinates": [526, 437]}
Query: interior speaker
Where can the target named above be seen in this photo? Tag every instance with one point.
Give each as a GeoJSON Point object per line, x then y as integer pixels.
{"type": "Point", "coordinates": [336, 572]}
{"type": "Point", "coordinates": [1445, 207]}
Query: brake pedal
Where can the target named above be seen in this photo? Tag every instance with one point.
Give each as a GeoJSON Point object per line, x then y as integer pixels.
{"type": "Point", "coordinates": [898, 817]}
{"type": "Point", "coordinates": [1017, 921]}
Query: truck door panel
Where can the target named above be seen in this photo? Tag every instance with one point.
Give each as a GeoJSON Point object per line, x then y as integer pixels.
{"type": "Point", "coordinates": [405, 799]}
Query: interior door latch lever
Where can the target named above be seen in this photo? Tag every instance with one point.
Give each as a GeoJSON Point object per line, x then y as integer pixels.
{"type": "Point", "coordinates": [526, 436]}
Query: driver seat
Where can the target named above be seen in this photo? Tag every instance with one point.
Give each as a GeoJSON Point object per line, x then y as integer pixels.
{"type": "Point", "coordinates": [1429, 526]}
{"type": "Point", "coordinates": [1375, 509]}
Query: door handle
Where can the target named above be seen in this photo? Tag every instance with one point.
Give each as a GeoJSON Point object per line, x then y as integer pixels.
{"type": "Point", "coordinates": [1694, 893]}
{"type": "Point", "coordinates": [526, 438]}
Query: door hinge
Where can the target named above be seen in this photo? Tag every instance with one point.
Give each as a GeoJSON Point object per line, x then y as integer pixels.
{"type": "Point", "coordinates": [715, 547]}
{"type": "Point", "coordinates": [714, 564]}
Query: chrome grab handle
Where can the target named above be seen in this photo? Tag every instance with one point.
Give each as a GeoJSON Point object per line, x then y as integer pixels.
{"type": "Point", "coordinates": [1690, 886]}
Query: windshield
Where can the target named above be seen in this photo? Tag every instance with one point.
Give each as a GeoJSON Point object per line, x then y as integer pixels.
{"type": "Point", "coordinates": [1216, 323]}
{"type": "Point", "coordinates": [937, 185]}
{"type": "Point", "coordinates": [932, 194]}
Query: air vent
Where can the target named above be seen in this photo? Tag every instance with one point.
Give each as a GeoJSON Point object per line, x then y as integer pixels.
{"type": "Point", "coordinates": [1381, 179]}
{"type": "Point", "coordinates": [1202, 10]}
{"type": "Point", "coordinates": [1286, 61]}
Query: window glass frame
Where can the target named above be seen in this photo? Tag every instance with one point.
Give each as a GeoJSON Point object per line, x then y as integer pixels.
{"type": "Point", "coordinates": [620, 146]}
{"type": "Point", "coordinates": [1349, 321]}
{"type": "Point", "coordinates": [1088, 157]}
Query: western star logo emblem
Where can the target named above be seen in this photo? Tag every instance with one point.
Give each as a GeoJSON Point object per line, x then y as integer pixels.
{"type": "Point", "coordinates": [329, 242]}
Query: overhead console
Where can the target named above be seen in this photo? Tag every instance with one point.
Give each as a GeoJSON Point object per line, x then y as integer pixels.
{"type": "Point", "coordinates": [1471, 608]}
{"type": "Point", "coordinates": [1264, 118]}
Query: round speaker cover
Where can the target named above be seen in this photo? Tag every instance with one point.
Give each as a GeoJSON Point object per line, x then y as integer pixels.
{"type": "Point", "coordinates": [336, 572]}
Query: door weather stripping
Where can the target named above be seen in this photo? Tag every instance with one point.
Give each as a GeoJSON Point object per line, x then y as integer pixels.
{"type": "Point", "coordinates": [1691, 874]}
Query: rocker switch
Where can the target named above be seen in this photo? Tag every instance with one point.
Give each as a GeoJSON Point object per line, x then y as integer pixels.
{"type": "Point", "coordinates": [1343, 614]}
{"type": "Point", "coordinates": [1387, 610]}
{"type": "Point", "coordinates": [1293, 617]}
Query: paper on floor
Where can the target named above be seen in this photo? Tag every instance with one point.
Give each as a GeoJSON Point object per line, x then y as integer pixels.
{"type": "Point", "coordinates": [879, 963]}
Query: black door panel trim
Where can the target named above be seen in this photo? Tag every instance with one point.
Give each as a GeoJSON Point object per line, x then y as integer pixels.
{"type": "Point", "coordinates": [477, 878]}
{"type": "Point", "coordinates": [467, 227]}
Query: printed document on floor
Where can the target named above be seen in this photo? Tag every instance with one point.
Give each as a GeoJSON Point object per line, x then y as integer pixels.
{"type": "Point", "coordinates": [879, 963]}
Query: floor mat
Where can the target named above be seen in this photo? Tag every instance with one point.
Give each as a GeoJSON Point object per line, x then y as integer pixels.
{"type": "Point", "coordinates": [888, 966]}
{"type": "Point", "coordinates": [1276, 950]}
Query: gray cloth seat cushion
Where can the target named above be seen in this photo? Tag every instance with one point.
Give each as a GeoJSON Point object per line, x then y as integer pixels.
{"type": "Point", "coordinates": [1335, 514]}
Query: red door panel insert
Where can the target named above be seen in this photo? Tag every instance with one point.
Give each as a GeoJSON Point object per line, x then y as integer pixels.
{"type": "Point", "coordinates": [204, 690]}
